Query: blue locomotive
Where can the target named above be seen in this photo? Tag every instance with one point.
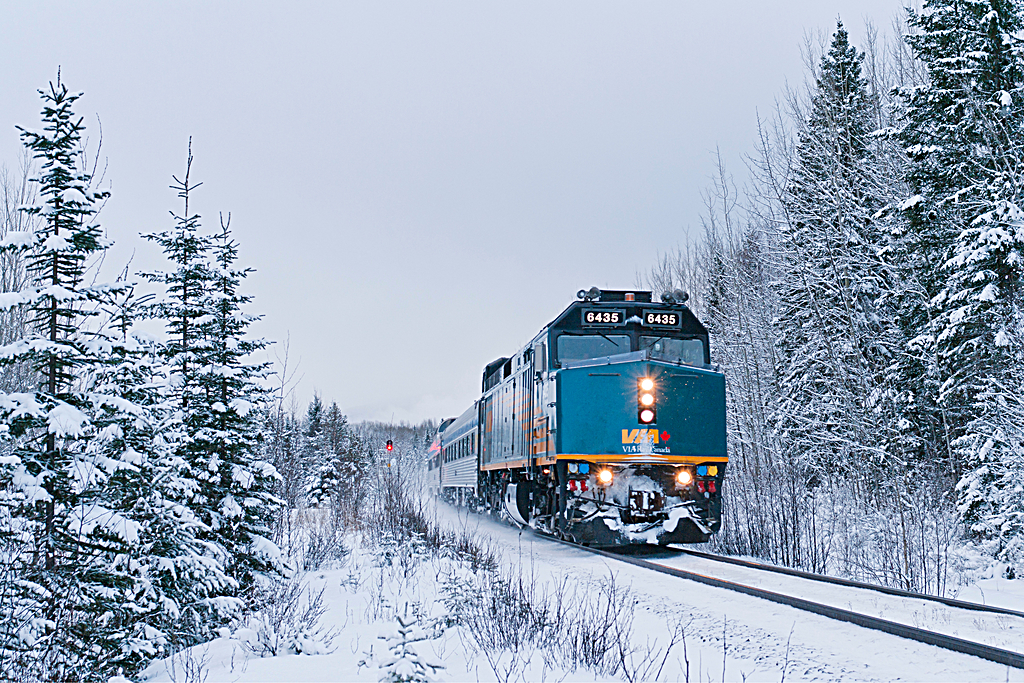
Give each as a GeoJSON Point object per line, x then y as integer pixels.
{"type": "Point", "coordinates": [608, 428]}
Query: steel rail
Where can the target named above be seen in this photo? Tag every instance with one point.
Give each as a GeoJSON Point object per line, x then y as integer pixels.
{"type": "Point", "coordinates": [951, 602]}
{"type": "Point", "coordinates": [993, 654]}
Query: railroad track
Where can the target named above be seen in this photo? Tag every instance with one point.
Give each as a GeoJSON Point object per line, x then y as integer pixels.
{"type": "Point", "coordinates": [994, 654]}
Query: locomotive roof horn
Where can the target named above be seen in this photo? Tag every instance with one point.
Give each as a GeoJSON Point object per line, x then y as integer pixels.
{"type": "Point", "coordinates": [592, 294]}
{"type": "Point", "coordinates": [676, 296]}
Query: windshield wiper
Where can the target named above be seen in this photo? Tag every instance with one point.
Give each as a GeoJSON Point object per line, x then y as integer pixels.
{"type": "Point", "coordinates": [607, 338]}
{"type": "Point", "coordinates": [651, 345]}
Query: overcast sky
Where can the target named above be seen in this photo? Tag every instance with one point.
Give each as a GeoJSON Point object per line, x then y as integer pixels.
{"type": "Point", "coordinates": [420, 186]}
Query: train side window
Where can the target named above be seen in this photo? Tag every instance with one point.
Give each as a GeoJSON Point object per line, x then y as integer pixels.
{"type": "Point", "coordinates": [540, 358]}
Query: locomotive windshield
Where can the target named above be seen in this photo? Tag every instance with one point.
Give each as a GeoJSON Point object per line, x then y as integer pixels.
{"type": "Point", "coordinates": [581, 347]}
{"type": "Point", "coordinates": [687, 351]}
{"type": "Point", "coordinates": [575, 347]}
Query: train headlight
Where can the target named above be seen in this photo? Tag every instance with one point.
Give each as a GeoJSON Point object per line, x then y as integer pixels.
{"type": "Point", "coordinates": [647, 399]}
{"type": "Point", "coordinates": [604, 477]}
{"type": "Point", "coordinates": [647, 416]}
{"type": "Point", "coordinates": [647, 384]}
{"type": "Point", "coordinates": [684, 478]}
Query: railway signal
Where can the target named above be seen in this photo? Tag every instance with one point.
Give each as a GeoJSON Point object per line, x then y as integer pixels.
{"type": "Point", "coordinates": [390, 446]}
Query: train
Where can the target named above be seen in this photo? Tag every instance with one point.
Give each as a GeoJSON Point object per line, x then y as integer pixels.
{"type": "Point", "coordinates": [607, 429]}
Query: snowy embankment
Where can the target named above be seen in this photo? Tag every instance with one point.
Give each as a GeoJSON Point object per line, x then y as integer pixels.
{"type": "Point", "coordinates": [588, 619]}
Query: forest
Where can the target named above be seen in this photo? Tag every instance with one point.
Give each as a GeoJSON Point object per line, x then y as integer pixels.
{"type": "Point", "coordinates": [862, 291]}
{"type": "Point", "coordinates": [863, 294]}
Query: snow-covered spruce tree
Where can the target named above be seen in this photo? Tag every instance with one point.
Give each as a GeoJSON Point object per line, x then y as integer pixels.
{"type": "Point", "coordinates": [317, 458]}
{"type": "Point", "coordinates": [217, 391]}
{"type": "Point", "coordinates": [400, 662]}
{"type": "Point", "coordinates": [831, 343]}
{"type": "Point", "coordinates": [342, 464]}
{"type": "Point", "coordinates": [86, 465]}
{"type": "Point", "coordinates": [240, 483]}
{"type": "Point", "coordinates": [61, 580]}
{"type": "Point", "coordinates": [963, 132]}
{"type": "Point", "coordinates": [173, 581]}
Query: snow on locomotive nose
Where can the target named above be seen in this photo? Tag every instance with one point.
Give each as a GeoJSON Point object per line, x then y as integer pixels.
{"type": "Point", "coordinates": [607, 428]}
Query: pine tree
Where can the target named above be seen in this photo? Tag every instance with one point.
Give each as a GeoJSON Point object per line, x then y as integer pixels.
{"type": "Point", "coordinates": [172, 582]}
{"type": "Point", "coordinates": [401, 662]}
{"type": "Point", "coordinates": [185, 286]}
{"type": "Point", "coordinates": [218, 391]}
{"type": "Point", "coordinates": [342, 463]}
{"type": "Point", "coordinates": [88, 467]}
{"type": "Point", "coordinates": [316, 455]}
{"type": "Point", "coordinates": [49, 486]}
{"type": "Point", "coordinates": [832, 342]}
{"type": "Point", "coordinates": [962, 132]}
{"type": "Point", "coordinates": [240, 484]}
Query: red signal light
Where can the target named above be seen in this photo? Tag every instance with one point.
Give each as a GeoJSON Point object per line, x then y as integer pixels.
{"type": "Point", "coordinates": [389, 446]}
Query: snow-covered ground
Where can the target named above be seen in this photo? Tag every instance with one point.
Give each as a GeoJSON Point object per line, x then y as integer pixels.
{"type": "Point", "coordinates": [998, 630]}
{"type": "Point", "coordinates": [727, 636]}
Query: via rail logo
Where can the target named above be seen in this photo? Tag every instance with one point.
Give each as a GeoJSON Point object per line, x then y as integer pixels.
{"type": "Point", "coordinates": [644, 441]}
{"type": "Point", "coordinates": [644, 436]}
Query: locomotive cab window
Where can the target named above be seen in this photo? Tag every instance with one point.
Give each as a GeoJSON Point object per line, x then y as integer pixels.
{"type": "Point", "coordinates": [581, 347]}
{"type": "Point", "coordinates": [686, 351]}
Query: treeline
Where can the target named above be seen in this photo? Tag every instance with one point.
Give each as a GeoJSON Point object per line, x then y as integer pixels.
{"type": "Point", "coordinates": [328, 464]}
{"type": "Point", "coordinates": [864, 298]}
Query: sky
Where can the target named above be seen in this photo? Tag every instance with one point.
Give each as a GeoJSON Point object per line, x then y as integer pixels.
{"type": "Point", "coordinates": [419, 186]}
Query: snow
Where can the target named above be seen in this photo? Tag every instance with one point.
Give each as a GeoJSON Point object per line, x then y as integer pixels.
{"type": "Point", "coordinates": [728, 636]}
{"type": "Point", "coordinates": [998, 630]}
{"type": "Point", "coordinates": [85, 520]}
{"type": "Point", "coordinates": [73, 194]}
{"type": "Point", "coordinates": [66, 420]}
{"type": "Point", "coordinates": [990, 293]}
{"type": "Point", "coordinates": [912, 202]}
{"type": "Point", "coordinates": [57, 243]}
{"type": "Point", "coordinates": [241, 407]}
{"type": "Point", "coordinates": [16, 238]}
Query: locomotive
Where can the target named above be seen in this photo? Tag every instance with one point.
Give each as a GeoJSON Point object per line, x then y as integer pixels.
{"type": "Point", "coordinates": [608, 428]}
